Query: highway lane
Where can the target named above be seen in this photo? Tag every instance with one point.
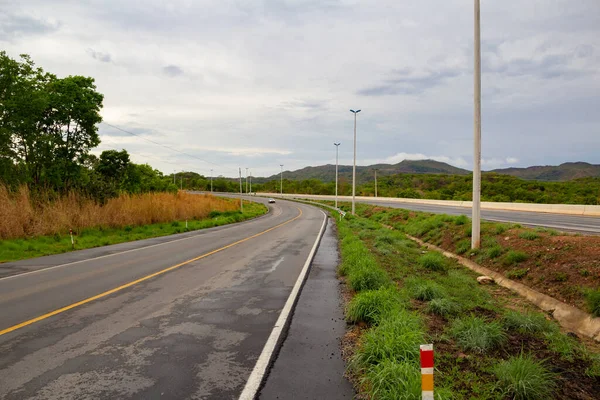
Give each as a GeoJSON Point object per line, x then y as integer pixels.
{"type": "Point", "coordinates": [192, 332]}
{"type": "Point", "coordinates": [564, 222]}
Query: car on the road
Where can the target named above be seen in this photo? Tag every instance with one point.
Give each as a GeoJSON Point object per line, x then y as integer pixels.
{"type": "Point", "coordinates": [271, 200]}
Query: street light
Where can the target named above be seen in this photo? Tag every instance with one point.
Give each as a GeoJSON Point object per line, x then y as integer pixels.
{"type": "Point", "coordinates": [354, 165]}
{"type": "Point", "coordinates": [211, 174]}
{"type": "Point", "coordinates": [337, 146]}
{"type": "Point", "coordinates": [281, 186]}
{"type": "Point", "coordinates": [476, 208]}
{"type": "Point", "coordinates": [375, 182]}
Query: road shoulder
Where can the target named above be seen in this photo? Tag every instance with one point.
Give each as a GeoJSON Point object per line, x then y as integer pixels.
{"type": "Point", "coordinates": [310, 364]}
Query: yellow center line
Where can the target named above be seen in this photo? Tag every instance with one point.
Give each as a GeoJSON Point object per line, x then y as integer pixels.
{"type": "Point", "coordinates": [145, 278]}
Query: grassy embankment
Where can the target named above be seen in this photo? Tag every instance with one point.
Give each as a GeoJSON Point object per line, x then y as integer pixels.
{"type": "Point", "coordinates": [489, 343]}
{"type": "Point", "coordinates": [36, 228]}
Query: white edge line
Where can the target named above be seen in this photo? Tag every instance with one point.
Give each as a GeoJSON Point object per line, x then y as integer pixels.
{"type": "Point", "coordinates": [200, 233]}
{"type": "Point", "coordinates": [260, 368]}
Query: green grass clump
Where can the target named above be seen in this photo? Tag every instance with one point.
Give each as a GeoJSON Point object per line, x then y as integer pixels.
{"type": "Point", "coordinates": [473, 333]}
{"type": "Point", "coordinates": [527, 322]}
{"type": "Point", "coordinates": [394, 380]}
{"type": "Point", "coordinates": [561, 344]}
{"type": "Point", "coordinates": [367, 278]}
{"type": "Point", "coordinates": [494, 251]}
{"type": "Point", "coordinates": [396, 338]}
{"type": "Point", "coordinates": [443, 307]}
{"type": "Point", "coordinates": [523, 378]}
{"type": "Point", "coordinates": [461, 220]}
{"type": "Point", "coordinates": [369, 306]}
{"type": "Point", "coordinates": [592, 299]}
{"type": "Point", "coordinates": [514, 257]}
{"type": "Point", "coordinates": [422, 289]}
{"type": "Point", "coordinates": [434, 261]}
{"type": "Point", "coordinates": [517, 273]}
{"type": "Point", "coordinates": [463, 246]}
{"type": "Point", "coordinates": [529, 235]}
{"type": "Point", "coordinates": [500, 229]}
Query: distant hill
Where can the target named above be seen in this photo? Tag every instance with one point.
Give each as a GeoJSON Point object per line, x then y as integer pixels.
{"type": "Point", "coordinates": [326, 173]}
{"type": "Point", "coordinates": [562, 172]}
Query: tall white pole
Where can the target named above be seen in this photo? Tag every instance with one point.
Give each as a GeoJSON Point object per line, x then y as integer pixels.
{"type": "Point", "coordinates": [281, 184]}
{"type": "Point", "coordinates": [376, 182]}
{"type": "Point", "coordinates": [476, 209]}
{"type": "Point", "coordinates": [211, 174]}
{"type": "Point", "coordinates": [337, 146]}
{"type": "Point", "coordinates": [354, 166]}
{"type": "Point", "coordinates": [241, 199]}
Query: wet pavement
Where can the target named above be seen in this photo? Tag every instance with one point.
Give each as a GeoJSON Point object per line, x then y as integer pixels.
{"type": "Point", "coordinates": [309, 364]}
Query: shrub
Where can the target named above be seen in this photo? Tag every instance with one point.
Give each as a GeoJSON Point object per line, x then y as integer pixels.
{"type": "Point", "coordinates": [518, 273]}
{"type": "Point", "coordinates": [514, 257]}
{"type": "Point", "coordinates": [443, 307]}
{"type": "Point", "coordinates": [526, 322]}
{"type": "Point", "coordinates": [367, 278]}
{"type": "Point", "coordinates": [396, 338]}
{"type": "Point", "coordinates": [500, 229]}
{"type": "Point", "coordinates": [523, 378]}
{"type": "Point", "coordinates": [494, 251]}
{"type": "Point", "coordinates": [529, 235]}
{"type": "Point", "coordinates": [473, 333]}
{"type": "Point", "coordinates": [592, 298]}
{"type": "Point", "coordinates": [369, 306]}
{"type": "Point", "coordinates": [434, 261]}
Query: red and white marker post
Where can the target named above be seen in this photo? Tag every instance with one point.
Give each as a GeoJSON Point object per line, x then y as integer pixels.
{"type": "Point", "coordinates": [426, 351]}
{"type": "Point", "coordinates": [72, 242]}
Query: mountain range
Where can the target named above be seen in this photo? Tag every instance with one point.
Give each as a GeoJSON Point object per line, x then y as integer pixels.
{"type": "Point", "coordinates": [326, 173]}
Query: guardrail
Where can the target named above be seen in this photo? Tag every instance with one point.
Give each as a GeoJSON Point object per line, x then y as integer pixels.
{"type": "Point", "coordinates": [569, 209]}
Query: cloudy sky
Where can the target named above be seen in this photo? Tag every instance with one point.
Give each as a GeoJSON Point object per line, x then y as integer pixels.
{"type": "Point", "coordinates": [258, 83]}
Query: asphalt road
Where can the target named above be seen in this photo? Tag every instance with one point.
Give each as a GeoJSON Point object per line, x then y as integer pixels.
{"type": "Point", "coordinates": [192, 332]}
{"type": "Point", "coordinates": [563, 222]}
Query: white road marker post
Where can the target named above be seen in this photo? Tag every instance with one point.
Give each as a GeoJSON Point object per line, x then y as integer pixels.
{"type": "Point", "coordinates": [72, 241]}
{"type": "Point", "coordinates": [426, 353]}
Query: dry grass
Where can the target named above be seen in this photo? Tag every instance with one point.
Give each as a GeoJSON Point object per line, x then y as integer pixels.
{"type": "Point", "coordinates": [23, 216]}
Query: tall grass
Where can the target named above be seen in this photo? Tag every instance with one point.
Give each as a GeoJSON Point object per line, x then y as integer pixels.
{"type": "Point", "coordinates": [22, 215]}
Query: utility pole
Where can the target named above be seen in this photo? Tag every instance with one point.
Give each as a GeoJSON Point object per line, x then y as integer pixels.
{"type": "Point", "coordinates": [281, 184]}
{"type": "Point", "coordinates": [476, 208]}
{"type": "Point", "coordinates": [375, 182]}
{"type": "Point", "coordinates": [354, 166]}
{"type": "Point", "coordinates": [246, 180]}
{"type": "Point", "coordinates": [241, 199]}
{"type": "Point", "coordinates": [211, 174]}
{"type": "Point", "coordinates": [337, 146]}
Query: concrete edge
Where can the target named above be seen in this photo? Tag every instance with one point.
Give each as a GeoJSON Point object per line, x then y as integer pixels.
{"type": "Point", "coordinates": [567, 316]}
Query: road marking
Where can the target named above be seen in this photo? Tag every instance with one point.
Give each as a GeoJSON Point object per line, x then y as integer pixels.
{"type": "Point", "coordinates": [117, 289]}
{"type": "Point", "coordinates": [274, 267]}
{"type": "Point", "coordinates": [201, 232]}
{"type": "Point", "coordinates": [258, 373]}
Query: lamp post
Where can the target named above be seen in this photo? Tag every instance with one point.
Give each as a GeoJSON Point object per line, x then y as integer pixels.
{"type": "Point", "coordinates": [281, 184]}
{"type": "Point", "coordinates": [354, 166]}
{"type": "Point", "coordinates": [337, 146]}
{"type": "Point", "coordinates": [375, 182]}
{"type": "Point", "coordinates": [476, 208]}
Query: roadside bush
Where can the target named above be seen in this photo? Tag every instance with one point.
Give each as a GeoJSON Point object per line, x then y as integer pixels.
{"type": "Point", "coordinates": [424, 290]}
{"type": "Point", "coordinates": [434, 261]}
{"type": "Point", "coordinates": [367, 278]}
{"type": "Point", "coordinates": [523, 378]}
{"type": "Point", "coordinates": [514, 257]}
{"type": "Point", "coordinates": [473, 333]}
{"type": "Point", "coordinates": [530, 323]}
{"type": "Point", "coordinates": [369, 306]}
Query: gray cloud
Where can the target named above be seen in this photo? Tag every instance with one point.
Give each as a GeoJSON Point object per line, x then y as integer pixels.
{"type": "Point", "coordinates": [13, 26]}
{"type": "Point", "coordinates": [102, 57]}
{"type": "Point", "coordinates": [172, 70]}
{"type": "Point", "coordinates": [406, 84]}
